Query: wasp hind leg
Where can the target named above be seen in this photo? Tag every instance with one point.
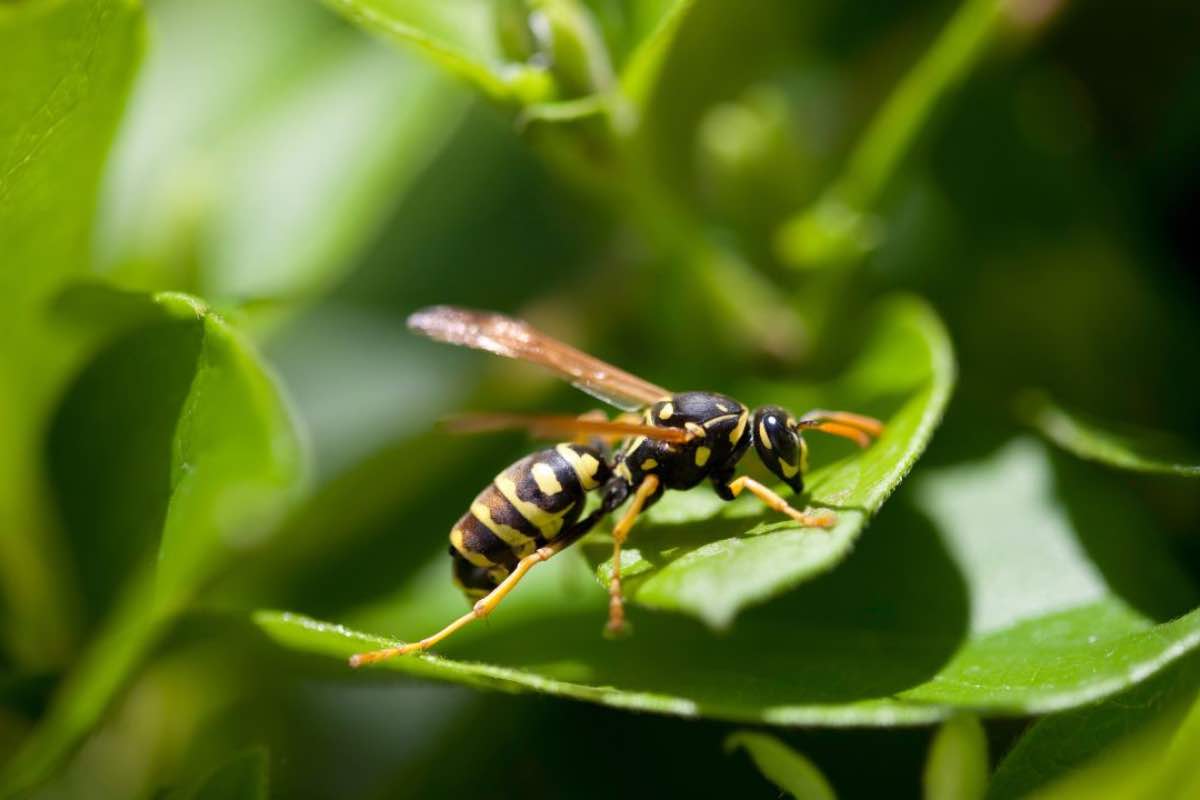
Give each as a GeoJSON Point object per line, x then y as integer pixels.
{"type": "Point", "coordinates": [487, 604]}
{"type": "Point", "coordinates": [616, 602]}
{"type": "Point", "coordinates": [776, 503]}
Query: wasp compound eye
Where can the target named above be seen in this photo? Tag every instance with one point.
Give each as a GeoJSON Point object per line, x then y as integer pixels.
{"type": "Point", "coordinates": [779, 445]}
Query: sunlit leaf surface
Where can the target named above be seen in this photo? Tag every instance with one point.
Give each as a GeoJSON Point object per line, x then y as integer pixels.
{"type": "Point", "coordinates": [1139, 744]}
{"type": "Point", "coordinates": [980, 593]}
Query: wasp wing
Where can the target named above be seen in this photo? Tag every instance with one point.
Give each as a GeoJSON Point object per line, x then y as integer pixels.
{"type": "Point", "coordinates": [514, 338]}
{"type": "Point", "coordinates": [550, 425]}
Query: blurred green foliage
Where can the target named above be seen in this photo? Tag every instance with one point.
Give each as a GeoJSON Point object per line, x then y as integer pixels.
{"type": "Point", "coordinates": [216, 444]}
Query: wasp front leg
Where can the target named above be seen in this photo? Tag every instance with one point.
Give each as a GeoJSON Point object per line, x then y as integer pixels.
{"type": "Point", "coordinates": [616, 602]}
{"type": "Point", "coordinates": [776, 503]}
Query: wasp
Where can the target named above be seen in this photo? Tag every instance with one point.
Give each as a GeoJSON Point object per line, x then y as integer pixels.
{"type": "Point", "coordinates": [533, 510]}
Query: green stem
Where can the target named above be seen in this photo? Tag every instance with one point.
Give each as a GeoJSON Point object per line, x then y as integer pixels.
{"type": "Point", "coordinates": [838, 215]}
{"type": "Point", "coordinates": [910, 108]}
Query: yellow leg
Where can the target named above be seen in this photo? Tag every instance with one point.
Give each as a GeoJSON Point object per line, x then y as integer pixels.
{"type": "Point", "coordinates": [777, 503]}
{"type": "Point", "coordinates": [616, 604]}
{"type": "Point", "coordinates": [485, 606]}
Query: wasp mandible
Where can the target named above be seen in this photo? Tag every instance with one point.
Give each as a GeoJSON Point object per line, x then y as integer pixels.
{"type": "Point", "coordinates": [534, 509]}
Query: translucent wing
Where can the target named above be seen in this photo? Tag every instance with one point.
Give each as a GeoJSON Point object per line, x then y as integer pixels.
{"type": "Point", "coordinates": [514, 338]}
{"type": "Point", "coordinates": [550, 426]}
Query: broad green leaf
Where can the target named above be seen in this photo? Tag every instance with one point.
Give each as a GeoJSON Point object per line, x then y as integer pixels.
{"type": "Point", "coordinates": [696, 554]}
{"type": "Point", "coordinates": [461, 36]}
{"type": "Point", "coordinates": [243, 777]}
{"type": "Point", "coordinates": [1140, 744]}
{"type": "Point", "coordinates": [1121, 446]}
{"type": "Point", "coordinates": [957, 767]}
{"type": "Point", "coordinates": [782, 766]}
{"type": "Point", "coordinates": [65, 68]}
{"type": "Point", "coordinates": [255, 186]}
{"type": "Point", "coordinates": [236, 466]}
{"type": "Point", "coordinates": [997, 596]}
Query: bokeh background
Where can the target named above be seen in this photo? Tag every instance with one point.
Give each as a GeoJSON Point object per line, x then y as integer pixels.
{"type": "Point", "coordinates": [317, 183]}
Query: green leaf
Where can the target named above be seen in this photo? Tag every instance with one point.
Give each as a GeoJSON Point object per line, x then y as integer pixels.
{"type": "Point", "coordinates": [1140, 744]}
{"type": "Point", "coordinates": [243, 777]}
{"type": "Point", "coordinates": [696, 554]}
{"type": "Point", "coordinates": [997, 596]}
{"type": "Point", "coordinates": [461, 36]}
{"type": "Point", "coordinates": [1121, 446]}
{"type": "Point", "coordinates": [237, 462]}
{"type": "Point", "coordinates": [65, 68]}
{"type": "Point", "coordinates": [783, 766]}
{"type": "Point", "coordinates": [236, 467]}
{"type": "Point", "coordinates": [255, 186]}
{"type": "Point", "coordinates": [957, 767]}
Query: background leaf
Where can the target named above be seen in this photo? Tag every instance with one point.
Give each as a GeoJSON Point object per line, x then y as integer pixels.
{"type": "Point", "coordinates": [243, 777]}
{"type": "Point", "coordinates": [783, 766]}
{"type": "Point", "coordinates": [1141, 743]}
{"type": "Point", "coordinates": [1124, 447]}
{"type": "Point", "coordinates": [75, 61]}
{"type": "Point", "coordinates": [236, 465]}
{"type": "Point", "coordinates": [253, 186]}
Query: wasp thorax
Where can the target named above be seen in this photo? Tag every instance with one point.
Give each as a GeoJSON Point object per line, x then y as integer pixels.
{"type": "Point", "coordinates": [779, 445]}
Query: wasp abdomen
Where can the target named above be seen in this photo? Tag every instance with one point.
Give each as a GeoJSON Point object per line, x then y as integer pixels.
{"type": "Point", "coordinates": [528, 504]}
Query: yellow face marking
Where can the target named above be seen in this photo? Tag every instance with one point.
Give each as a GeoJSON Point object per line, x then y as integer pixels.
{"type": "Point", "coordinates": [789, 470]}
{"type": "Point", "coordinates": [649, 464]}
{"type": "Point", "coordinates": [702, 454]}
{"type": "Point", "coordinates": [478, 559]}
{"type": "Point", "coordinates": [735, 435]}
{"type": "Point", "coordinates": [549, 523]}
{"type": "Point", "coordinates": [762, 434]}
{"type": "Point", "coordinates": [547, 481]}
{"type": "Point", "coordinates": [694, 429]}
{"type": "Point", "coordinates": [521, 544]}
{"type": "Point", "coordinates": [666, 411]}
{"type": "Point", "coordinates": [585, 465]}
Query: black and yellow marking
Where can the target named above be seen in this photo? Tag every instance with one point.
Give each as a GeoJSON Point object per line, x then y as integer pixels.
{"type": "Point", "coordinates": [524, 507]}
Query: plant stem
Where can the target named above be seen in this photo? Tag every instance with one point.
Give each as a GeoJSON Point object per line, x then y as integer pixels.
{"type": "Point", "coordinates": [890, 136]}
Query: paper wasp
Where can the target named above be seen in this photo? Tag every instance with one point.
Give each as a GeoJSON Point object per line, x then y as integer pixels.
{"type": "Point", "coordinates": [533, 509]}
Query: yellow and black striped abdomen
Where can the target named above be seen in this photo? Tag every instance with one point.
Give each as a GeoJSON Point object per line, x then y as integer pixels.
{"type": "Point", "coordinates": [525, 506]}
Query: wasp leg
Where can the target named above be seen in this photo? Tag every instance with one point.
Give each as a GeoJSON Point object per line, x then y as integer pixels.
{"type": "Point", "coordinates": [487, 604]}
{"type": "Point", "coordinates": [777, 503]}
{"type": "Point", "coordinates": [616, 603]}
